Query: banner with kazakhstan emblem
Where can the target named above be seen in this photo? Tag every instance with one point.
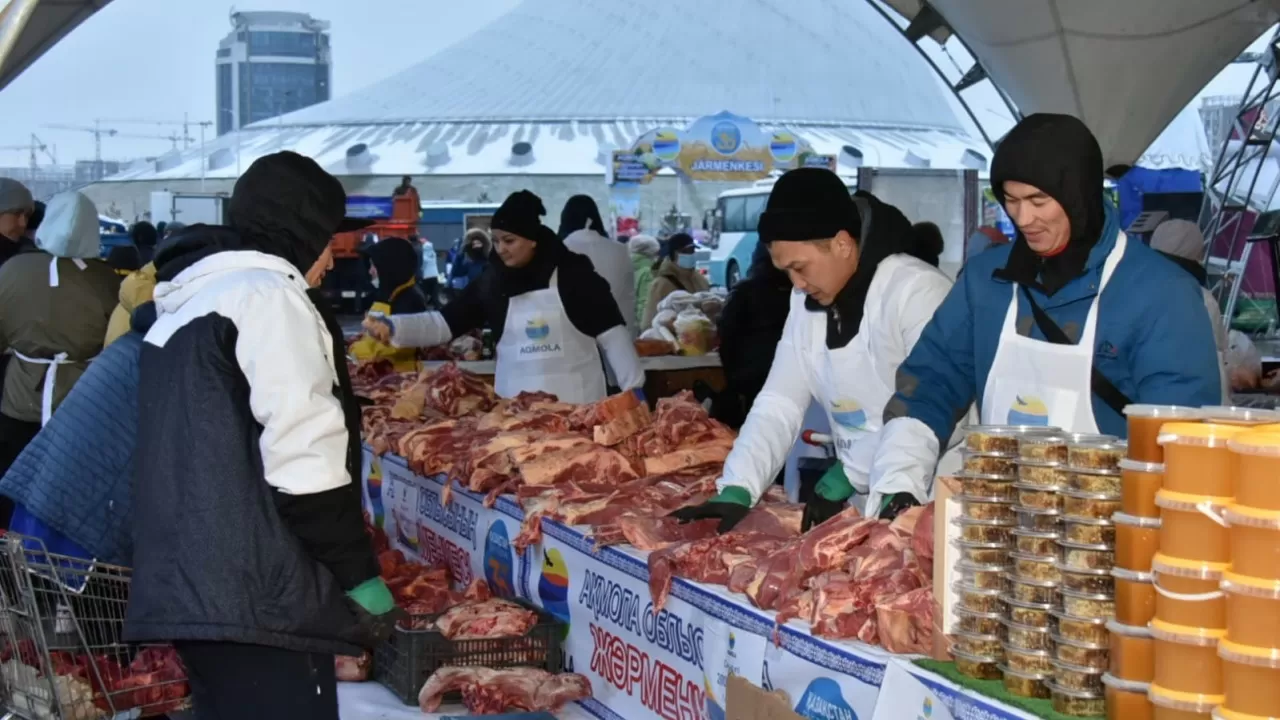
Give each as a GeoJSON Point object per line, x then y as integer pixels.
{"type": "Point", "coordinates": [721, 147]}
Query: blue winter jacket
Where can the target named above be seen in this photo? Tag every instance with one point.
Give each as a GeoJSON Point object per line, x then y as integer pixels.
{"type": "Point", "coordinates": [1154, 341]}
{"type": "Point", "coordinates": [71, 483]}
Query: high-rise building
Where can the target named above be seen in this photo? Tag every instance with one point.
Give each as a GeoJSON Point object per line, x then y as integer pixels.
{"type": "Point", "coordinates": [271, 63]}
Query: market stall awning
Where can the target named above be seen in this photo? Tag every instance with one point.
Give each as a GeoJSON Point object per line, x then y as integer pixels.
{"type": "Point", "coordinates": [1125, 67]}
{"type": "Point", "coordinates": [46, 22]}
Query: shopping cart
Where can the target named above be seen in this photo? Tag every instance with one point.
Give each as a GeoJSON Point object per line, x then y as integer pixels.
{"type": "Point", "coordinates": [61, 653]}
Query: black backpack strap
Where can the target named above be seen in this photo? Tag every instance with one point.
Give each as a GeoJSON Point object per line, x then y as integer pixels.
{"type": "Point", "coordinates": [1102, 387]}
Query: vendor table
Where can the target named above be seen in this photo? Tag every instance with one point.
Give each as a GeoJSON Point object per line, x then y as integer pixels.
{"type": "Point", "coordinates": [665, 375]}
{"type": "Point", "coordinates": [371, 701]}
{"type": "Point", "coordinates": [642, 663]}
{"type": "Point", "coordinates": [910, 692]}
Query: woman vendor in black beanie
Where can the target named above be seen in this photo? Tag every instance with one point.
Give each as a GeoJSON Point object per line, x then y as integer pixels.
{"type": "Point", "coordinates": [550, 313]}
{"type": "Point", "coordinates": [865, 296]}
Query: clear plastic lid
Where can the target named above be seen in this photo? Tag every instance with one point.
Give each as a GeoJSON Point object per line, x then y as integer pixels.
{"type": "Point", "coordinates": [1244, 516]}
{"type": "Point", "coordinates": [970, 452]}
{"type": "Point", "coordinates": [1104, 547]}
{"type": "Point", "coordinates": [1198, 434]}
{"type": "Point", "coordinates": [1093, 471]}
{"type": "Point", "coordinates": [1251, 586]}
{"type": "Point", "coordinates": [1120, 685]}
{"type": "Point", "coordinates": [1086, 495]}
{"type": "Point", "coordinates": [1068, 692]}
{"type": "Point", "coordinates": [1059, 640]}
{"type": "Point", "coordinates": [1171, 412]}
{"type": "Point", "coordinates": [996, 522]}
{"type": "Point", "coordinates": [1194, 569]}
{"type": "Point", "coordinates": [971, 545]}
{"type": "Point", "coordinates": [1024, 628]}
{"type": "Point", "coordinates": [1010, 430]}
{"type": "Point", "coordinates": [1084, 595]}
{"type": "Point", "coordinates": [1081, 620]}
{"type": "Point", "coordinates": [975, 636]}
{"type": "Point", "coordinates": [1185, 635]}
{"type": "Point", "coordinates": [1139, 466]}
{"type": "Point", "coordinates": [1135, 521]}
{"type": "Point", "coordinates": [1024, 675]}
{"type": "Point", "coordinates": [1249, 655]}
{"type": "Point", "coordinates": [983, 499]}
{"type": "Point", "coordinates": [1107, 444]}
{"type": "Point", "coordinates": [991, 477]}
{"type": "Point", "coordinates": [964, 587]}
{"type": "Point", "coordinates": [1072, 667]}
{"type": "Point", "coordinates": [1036, 511]}
{"type": "Point", "coordinates": [1010, 600]}
{"type": "Point", "coordinates": [1026, 462]}
{"type": "Point", "coordinates": [1010, 579]}
{"type": "Point", "coordinates": [1081, 520]}
{"type": "Point", "coordinates": [1086, 572]}
{"type": "Point", "coordinates": [961, 610]}
{"type": "Point", "coordinates": [1132, 575]}
{"type": "Point", "coordinates": [956, 652]}
{"type": "Point", "coordinates": [1138, 631]}
{"type": "Point", "coordinates": [1194, 703]}
{"type": "Point", "coordinates": [1239, 415]}
{"type": "Point", "coordinates": [1047, 559]}
{"type": "Point", "coordinates": [1186, 502]}
{"type": "Point", "coordinates": [1042, 534]}
{"type": "Point", "coordinates": [1258, 441]}
{"type": "Point", "coordinates": [1039, 488]}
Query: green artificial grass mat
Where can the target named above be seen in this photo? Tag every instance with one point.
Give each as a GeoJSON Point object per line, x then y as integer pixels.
{"type": "Point", "coordinates": [993, 689]}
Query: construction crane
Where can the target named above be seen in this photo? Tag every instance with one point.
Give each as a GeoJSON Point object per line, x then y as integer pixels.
{"type": "Point", "coordinates": [185, 123]}
{"type": "Point", "coordinates": [35, 146]}
{"type": "Point", "coordinates": [99, 132]}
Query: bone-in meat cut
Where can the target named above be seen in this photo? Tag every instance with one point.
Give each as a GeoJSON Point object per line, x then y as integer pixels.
{"type": "Point", "coordinates": [486, 691]}
{"type": "Point", "coordinates": [492, 618]}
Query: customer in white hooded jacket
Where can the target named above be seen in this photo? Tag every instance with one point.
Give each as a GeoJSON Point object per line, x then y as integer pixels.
{"type": "Point", "coordinates": [583, 232]}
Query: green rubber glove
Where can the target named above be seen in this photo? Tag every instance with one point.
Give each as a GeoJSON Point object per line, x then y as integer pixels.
{"type": "Point", "coordinates": [834, 485]}
{"type": "Point", "coordinates": [735, 495]}
{"type": "Point", "coordinates": [373, 596]}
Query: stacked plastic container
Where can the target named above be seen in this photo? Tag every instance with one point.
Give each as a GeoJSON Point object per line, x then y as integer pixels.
{"type": "Point", "coordinates": [1250, 648]}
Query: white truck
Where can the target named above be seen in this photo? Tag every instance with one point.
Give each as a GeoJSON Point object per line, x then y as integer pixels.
{"type": "Point", "coordinates": [188, 208]}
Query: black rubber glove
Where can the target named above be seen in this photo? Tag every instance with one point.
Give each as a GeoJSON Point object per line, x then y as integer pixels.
{"type": "Point", "coordinates": [894, 504]}
{"type": "Point", "coordinates": [819, 509]}
{"type": "Point", "coordinates": [730, 513]}
{"type": "Point", "coordinates": [371, 630]}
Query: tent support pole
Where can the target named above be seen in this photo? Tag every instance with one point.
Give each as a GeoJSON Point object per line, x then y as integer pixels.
{"type": "Point", "coordinates": [13, 18]}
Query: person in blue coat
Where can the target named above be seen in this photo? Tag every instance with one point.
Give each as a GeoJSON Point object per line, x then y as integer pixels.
{"type": "Point", "coordinates": [1063, 327]}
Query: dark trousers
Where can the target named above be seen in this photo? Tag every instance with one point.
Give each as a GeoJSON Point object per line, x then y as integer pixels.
{"type": "Point", "coordinates": [253, 682]}
{"type": "Point", "coordinates": [14, 436]}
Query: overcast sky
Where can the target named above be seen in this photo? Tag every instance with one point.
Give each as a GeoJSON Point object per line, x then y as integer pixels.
{"type": "Point", "coordinates": [154, 59]}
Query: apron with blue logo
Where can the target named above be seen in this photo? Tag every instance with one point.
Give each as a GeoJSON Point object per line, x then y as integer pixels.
{"type": "Point", "coordinates": [1036, 382]}
{"type": "Point", "coordinates": [541, 350]}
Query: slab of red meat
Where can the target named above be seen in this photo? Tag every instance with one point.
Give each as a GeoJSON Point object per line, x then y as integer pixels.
{"type": "Point", "coordinates": [492, 618]}
{"type": "Point", "coordinates": [679, 421]}
{"type": "Point", "coordinates": [778, 519]}
{"type": "Point", "coordinates": [906, 622]}
{"type": "Point", "coordinates": [486, 691]}
{"type": "Point", "coordinates": [583, 463]}
{"type": "Point", "coordinates": [352, 669]}
{"type": "Point", "coordinates": [711, 451]}
{"type": "Point", "coordinates": [455, 392]}
{"type": "Point", "coordinates": [822, 548]}
{"type": "Point", "coordinates": [707, 560]}
{"type": "Point", "coordinates": [655, 533]}
{"type": "Point", "coordinates": [922, 540]}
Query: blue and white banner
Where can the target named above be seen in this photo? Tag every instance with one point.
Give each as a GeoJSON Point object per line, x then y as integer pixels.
{"type": "Point", "coordinates": [918, 694]}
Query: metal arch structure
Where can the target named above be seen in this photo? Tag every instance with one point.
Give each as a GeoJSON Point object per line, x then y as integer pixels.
{"type": "Point", "coordinates": [29, 28]}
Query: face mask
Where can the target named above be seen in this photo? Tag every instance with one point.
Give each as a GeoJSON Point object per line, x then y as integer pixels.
{"type": "Point", "coordinates": [686, 261]}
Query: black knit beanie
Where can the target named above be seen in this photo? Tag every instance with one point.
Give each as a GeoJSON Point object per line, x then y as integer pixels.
{"type": "Point", "coordinates": [521, 214]}
{"type": "Point", "coordinates": [808, 204]}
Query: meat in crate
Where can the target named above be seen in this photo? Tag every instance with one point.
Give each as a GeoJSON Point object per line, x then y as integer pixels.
{"type": "Point", "coordinates": [493, 634]}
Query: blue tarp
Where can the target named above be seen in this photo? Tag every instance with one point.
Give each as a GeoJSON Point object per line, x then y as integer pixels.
{"type": "Point", "coordinates": [1139, 181]}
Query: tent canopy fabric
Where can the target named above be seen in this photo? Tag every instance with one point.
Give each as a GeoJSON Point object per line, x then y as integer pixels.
{"type": "Point", "coordinates": [1125, 67]}
{"type": "Point", "coordinates": [49, 23]}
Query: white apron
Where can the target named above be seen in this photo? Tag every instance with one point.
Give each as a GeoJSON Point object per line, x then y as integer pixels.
{"type": "Point", "coordinates": [1036, 382]}
{"type": "Point", "coordinates": [541, 350]}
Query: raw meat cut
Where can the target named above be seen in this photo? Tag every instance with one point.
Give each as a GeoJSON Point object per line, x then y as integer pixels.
{"type": "Point", "coordinates": [454, 393]}
{"type": "Point", "coordinates": [906, 622]}
{"type": "Point", "coordinates": [579, 463]}
{"type": "Point", "coordinates": [780, 519]}
{"type": "Point", "coordinates": [655, 533]}
{"type": "Point", "coordinates": [352, 669]}
{"type": "Point", "coordinates": [493, 618]}
{"type": "Point", "coordinates": [707, 560]}
{"type": "Point", "coordinates": [486, 691]}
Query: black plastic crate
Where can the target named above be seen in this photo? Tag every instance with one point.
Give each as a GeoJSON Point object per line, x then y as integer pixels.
{"type": "Point", "coordinates": [404, 662]}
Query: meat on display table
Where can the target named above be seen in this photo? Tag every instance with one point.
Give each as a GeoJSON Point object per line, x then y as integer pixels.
{"type": "Point", "coordinates": [669, 665]}
{"type": "Point", "coordinates": [665, 375]}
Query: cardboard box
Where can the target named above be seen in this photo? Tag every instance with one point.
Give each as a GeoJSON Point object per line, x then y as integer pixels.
{"type": "Point", "coordinates": [945, 555]}
{"type": "Point", "coordinates": [744, 701]}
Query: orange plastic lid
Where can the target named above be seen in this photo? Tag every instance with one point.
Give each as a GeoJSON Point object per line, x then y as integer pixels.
{"type": "Point", "coordinates": [1185, 635]}
{"type": "Point", "coordinates": [1249, 655]}
{"type": "Point", "coordinates": [1200, 434]}
{"type": "Point", "coordinates": [1128, 630]}
{"type": "Point", "coordinates": [1255, 587]}
{"type": "Point", "coordinates": [1239, 415]}
{"type": "Point", "coordinates": [1173, 412]}
{"type": "Point", "coordinates": [1135, 521]}
{"type": "Point", "coordinates": [1194, 569]}
{"type": "Point", "coordinates": [1139, 466]}
{"type": "Point", "coordinates": [1260, 441]}
{"type": "Point", "coordinates": [1183, 701]}
{"type": "Point", "coordinates": [1186, 502]}
{"type": "Point", "coordinates": [1246, 516]}
{"type": "Point", "coordinates": [1221, 713]}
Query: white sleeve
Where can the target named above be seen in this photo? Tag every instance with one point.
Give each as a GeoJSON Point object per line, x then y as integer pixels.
{"type": "Point", "coordinates": [281, 349]}
{"type": "Point", "coordinates": [426, 329]}
{"type": "Point", "coordinates": [774, 422]}
{"type": "Point", "coordinates": [626, 295]}
{"type": "Point", "coordinates": [620, 352]}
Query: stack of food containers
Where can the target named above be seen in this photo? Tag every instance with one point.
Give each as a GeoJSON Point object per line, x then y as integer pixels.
{"type": "Point", "coordinates": [1137, 527]}
{"type": "Point", "coordinates": [1250, 649]}
{"type": "Point", "coordinates": [987, 522]}
{"type": "Point", "coordinates": [1194, 552]}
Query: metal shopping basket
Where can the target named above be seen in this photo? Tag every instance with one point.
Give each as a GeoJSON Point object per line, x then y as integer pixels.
{"type": "Point", "coordinates": [61, 653]}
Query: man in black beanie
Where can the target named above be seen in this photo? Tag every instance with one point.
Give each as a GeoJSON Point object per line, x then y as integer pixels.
{"type": "Point", "coordinates": [864, 297]}
{"type": "Point", "coordinates": [550, 312]}
{"type": "Point", "coordinates": [1064, 327]}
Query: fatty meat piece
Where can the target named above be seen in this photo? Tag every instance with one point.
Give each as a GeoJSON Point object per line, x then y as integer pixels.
{"type": "Point", "coordinates": [707, 560]}
{"type": "Point", "coordinates": [654, 533]}
{"type": "Point", "coordinates": [352, 669]}
{"type": "Point", "coordinates": [906, 622]}
{"type": "Point", "coordinates": [493, 618]}
{"type": "Point", "coordinates": [486, 691]}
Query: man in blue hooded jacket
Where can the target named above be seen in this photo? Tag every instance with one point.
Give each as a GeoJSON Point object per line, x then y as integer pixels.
{"type": "Point", "coordinates": [1063, 327]}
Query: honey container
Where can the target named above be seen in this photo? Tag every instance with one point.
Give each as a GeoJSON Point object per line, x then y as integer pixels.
{"type": "Point", "coordinates": [1241, 416]}
{"type": "Point", "coordinates": [1135, 596]}
{"type": "Point", "coordinates": [1257, 465]}
{"type": "Point", "coordinates": [1192, 527]}
{"type": "Point", "coordinates": [1186, 658]}
{"type": "Point", "coordinates": [1251, 677]}
{"type": "Point", "coordinates": [1187, 593]}
{"type": "Point", "coordinates": [1255, 540]}
{"type": "Point", "coordinates": [1145, 422]}
{"type": "Point", "coordinates": [1172, 705]}
{"type": "Point", "coordinates": [1132, 652]}
{"type": "Point", "coordinates": [1001, 439]}
{"type": "Point", "coordinates": [1137, 540]}
{"type": "Point", "coordinates": [1196, 458]}
{"type": "Point", "coordinates": [1253, 610]}
{"type": "Point", "coordinates": [1139, 483]}
{"type": "Point", "coordinates": [1221, 713]}
{"type": "Point", "coordinates": [1126, 700]}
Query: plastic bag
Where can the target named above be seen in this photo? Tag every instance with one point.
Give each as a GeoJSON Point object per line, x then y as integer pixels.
{"type": "Point", "coordinates": [711, 305]}
{"type": "Point", "coordinates": [665, 319]}
{"type": "Point", "coordinates": [695, 333]}
{"type": "Point", "coordinates": [1244, 362]}
{"type": "Point", "coordinates": [679, 301]}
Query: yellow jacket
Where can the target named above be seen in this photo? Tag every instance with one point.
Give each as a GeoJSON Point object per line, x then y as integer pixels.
{"type": "Point", "coordinates": [367, 349]}
{"type": "Point", "coordinates": [135, 290]}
